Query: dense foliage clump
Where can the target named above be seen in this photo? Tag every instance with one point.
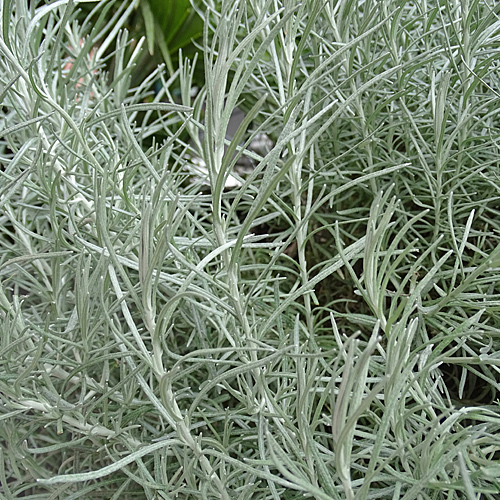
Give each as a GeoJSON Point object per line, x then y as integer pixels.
{"type": "Point", "coordinates": [323, 324]}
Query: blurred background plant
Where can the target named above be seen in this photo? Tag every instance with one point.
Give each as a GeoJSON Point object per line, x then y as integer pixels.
{"type": "Point", "coordinates": [170, 26]}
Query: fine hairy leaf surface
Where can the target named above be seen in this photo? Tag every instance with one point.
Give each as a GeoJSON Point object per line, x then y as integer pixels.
{"type": "Point", "coordinates": [323, 323]}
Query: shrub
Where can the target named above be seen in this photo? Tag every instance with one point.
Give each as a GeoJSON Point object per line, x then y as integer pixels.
{"type": "Point", "coordinates": [327, 328]}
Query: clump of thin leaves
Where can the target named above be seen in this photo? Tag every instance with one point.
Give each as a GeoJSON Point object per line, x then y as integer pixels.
{"type": "Point", "coordinates": [325, 328]}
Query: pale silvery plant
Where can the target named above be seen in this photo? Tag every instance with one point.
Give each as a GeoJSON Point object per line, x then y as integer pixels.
{"type": "Point", "coordinates": [295, 336]}
{"type": "Point", "coordinates": [407, 260]}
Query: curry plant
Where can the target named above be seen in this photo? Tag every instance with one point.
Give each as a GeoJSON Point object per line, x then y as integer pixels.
{"type": "Point", "coordinates": [323, 326]}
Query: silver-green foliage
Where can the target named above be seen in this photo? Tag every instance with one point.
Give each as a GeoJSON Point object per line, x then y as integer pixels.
{"type": "Point", "coordinates": [327, 329]}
